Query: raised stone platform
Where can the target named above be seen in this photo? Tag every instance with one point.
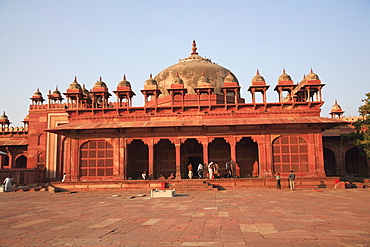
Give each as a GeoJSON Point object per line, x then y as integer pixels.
{"type": "Point", "coordinates": [193, 184]}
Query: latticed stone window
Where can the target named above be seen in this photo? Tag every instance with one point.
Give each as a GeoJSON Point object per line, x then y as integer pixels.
{"type": "Point", "coordinates": [96, 159]}
{"type": "Point", "coordinates": [290, 153]}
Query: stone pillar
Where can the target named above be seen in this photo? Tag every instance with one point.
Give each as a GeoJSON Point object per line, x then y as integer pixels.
{"type": "Point", "coordinates": [319, 154]}
{"type": "Point", "coordinates": [264, 155]}
{"type": "Point", "coordinates": [151, 159]}
{"type": "Point", "coordinates": [178, 158]}
{"type": "Point", "coordinates": [205, 141]}
{"type": "Point", "coordinates": [122, 158]}
{"type": "Point", "coordinates": [232, 141]}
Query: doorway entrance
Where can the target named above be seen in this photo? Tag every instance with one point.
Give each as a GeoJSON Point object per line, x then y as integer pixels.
{"type": "Point", "coordinates": [194, 161]}
{"type": "Point", "coordinates": [191, 152]}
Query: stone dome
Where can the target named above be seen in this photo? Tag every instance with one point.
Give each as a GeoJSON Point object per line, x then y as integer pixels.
{"type": "Point", "coordinates": [190, 70]}
{"type": "Point", "coordinates": [37, 93]}
{"type": "Point", "coordinates": [150, 82]}
{"type": "Point", "coordinates": [100, 83]}
{"type": "Point", "coordinates": [284, 77]}
{"type": "Point", "coordinates": [56, 91]}
{"type": "Point", "coordinates": [258, 77]}
{"type": "Point", "coordinates": [124, 83]}
{"type": "Point", "coordinates": [230, 78]}
{"type": "Point", "coordinates": [4, 116]}
{"type": "Point", "coordinates": [336, 107]}
{"type": "Point", "coordinates": [74, 84]}
{"type": "Point", "coordinates": [178, 80]}
{"type": "Point", "coordinates": [203, 81]}
{"type": "Point", "coordinates": [312, 76]}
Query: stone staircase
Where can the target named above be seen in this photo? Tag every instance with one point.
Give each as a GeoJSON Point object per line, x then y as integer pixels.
{"type": "Point", "coordinates": [192, 185]}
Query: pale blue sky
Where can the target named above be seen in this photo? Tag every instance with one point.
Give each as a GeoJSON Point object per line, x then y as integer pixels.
{"type": "Point", "coordinates": [45, 43]}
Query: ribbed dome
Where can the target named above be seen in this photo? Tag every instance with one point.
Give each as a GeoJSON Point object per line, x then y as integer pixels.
{"type": "Point", "coordinates": [203, 80]}
{"type": "Point", "coordinates": [178, 80]}
{"type": "Point", "coordinates": [4, 116]}
{"type": "Point", "coordinates": [284, 77]}
{"type": "Point", "coordinates": [37, 93]}
{"type": "Point", "coordinates": [190, 70]}
{"type": "Point", "coordinates": [150, 83]}
{"type": "Point", "coordinates": [56, 91]}
{"type": "Point", "coordinates": [124, 83]}
{"type": "Point", "coordinates": [258, 78]}
{"type": "Point", "coordinates": [74, 84]}
{"type": "Point", "coordinates": [312, 76]}
{"type": "Point", "coordinates": [336, 107]}
{"type": "Point", "coordinates": [100, 83]}
{"type": "Point", "coordinates": [230, 78]}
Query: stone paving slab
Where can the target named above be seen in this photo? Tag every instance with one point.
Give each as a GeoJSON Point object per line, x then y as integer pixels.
{"type": "Point", "coordinates": [250, 217]}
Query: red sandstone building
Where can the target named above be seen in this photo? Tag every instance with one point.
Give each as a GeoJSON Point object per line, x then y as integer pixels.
{"type": "Point", "coordinates": [192, 114]}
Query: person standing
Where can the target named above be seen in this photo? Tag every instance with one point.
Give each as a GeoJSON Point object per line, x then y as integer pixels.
{"type": "Point", "coordinates": [278, 182]}
{"type": "Point", "coordinates": [7, 184]}
{"type": "Point", "coordinates": [216, 172]}
{"type": "Point", "coordinates": [143, 175]}
{"type": "Point", "coordinates": [190, 171]}
{"type": "Point", "coordinates": [64, 177]}
{"type": "Point", "coordinates": [291, 179]}
{"type": "Point", "coordinates": [200, 170]}
{"type": "Point", "coordinates": [210, 170]}
{"type": "Point", "coordinates": [229, 170]}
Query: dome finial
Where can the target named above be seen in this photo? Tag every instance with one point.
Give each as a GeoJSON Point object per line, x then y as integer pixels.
{"type": "Point", "coordinates": [151, 76]}
{"type": "Point", "coordinates": [100, 79]}
{"type": "Point", "coordinates": [194, 48]}
{"type": "Point", "coordinates": [75, 80]}
{"type": "Point", "coordinates": [124, 77]}
{"type": "Point", "coordinates": [258, 72]}
{"type": "Point", "coordinates": [284, 71]}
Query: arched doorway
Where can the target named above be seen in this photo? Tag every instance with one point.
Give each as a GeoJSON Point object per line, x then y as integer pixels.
{"type": "Point", "coordinates": [164, 159]}
{"type": "Point", "coordinates": [137, 159]}
{"type": "Point", "coordinates": [21, 162]}
{"type": "Point", "coordinates": [329, 162]}
{"type": "Point", "coordinates": [191, 153]}
{"type": "Point", "coordinates": [219, 151]}
{"type": "Point", "coordinates": [247, 156]}
{"type": "Point", "coordinates": [355, 163]}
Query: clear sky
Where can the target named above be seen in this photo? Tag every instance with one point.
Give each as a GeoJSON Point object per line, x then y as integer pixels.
{"type": "Point", "coordinates": [46, 43]}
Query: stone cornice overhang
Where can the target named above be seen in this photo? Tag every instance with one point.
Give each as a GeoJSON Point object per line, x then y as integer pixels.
{"type": "Point", "coordinates": [263, 123]}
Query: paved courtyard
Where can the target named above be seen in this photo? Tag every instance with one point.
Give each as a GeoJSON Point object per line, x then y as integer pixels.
{"type": "Point", "coordinates": [251, 217]}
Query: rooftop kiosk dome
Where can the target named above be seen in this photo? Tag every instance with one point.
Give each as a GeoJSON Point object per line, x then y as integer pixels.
{"type": "Point", "coordinates": [190, 70]}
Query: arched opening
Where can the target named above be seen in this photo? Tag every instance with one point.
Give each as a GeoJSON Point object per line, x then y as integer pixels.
{"type": "Point", "coordinates": [5, 160]}
{"type": "Point", "coordinates": [164, 159]}
{"type": "Point", "coordinates": [96, 159]}
{"type": "Point", "coordinates": [290, 153]}
{"type": "Point", "coordinates": [191, 153]}
{"type": "Point", "coordinates": [137, 159]}
{"type": "Point", "coordinates": [329, 162]}
{"type": "Point", "coordinates": [219, 151]}
{"type": "Point", "coordinates": [247, 157]}
{"type": "Point", "coordinates": [41, 158]}
{"type": "Point", "coordinates": [355, 163]}
{"type": "Point", "coordinates": [21, 162]}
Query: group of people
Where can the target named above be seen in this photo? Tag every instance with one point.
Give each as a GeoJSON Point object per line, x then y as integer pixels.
{"type": "Point", "coordinates": [213, 170]}
{"type": "Point", "coordinates": [291, 179]}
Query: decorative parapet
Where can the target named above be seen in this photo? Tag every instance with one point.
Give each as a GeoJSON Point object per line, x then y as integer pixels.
{"type": "Point", "coordinates": [352, 119]}
{"type": "Point", "coordinates": [14, 129]}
